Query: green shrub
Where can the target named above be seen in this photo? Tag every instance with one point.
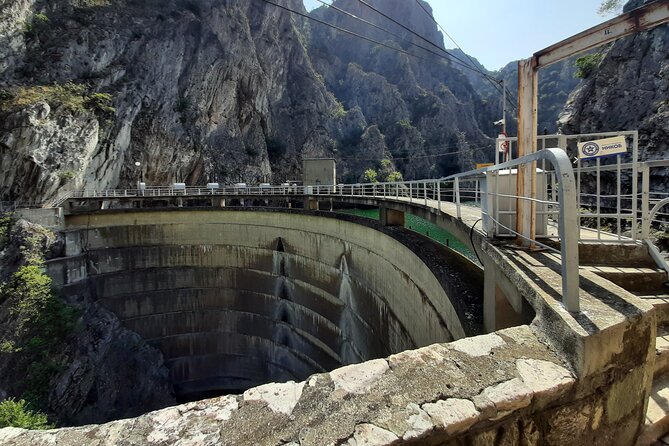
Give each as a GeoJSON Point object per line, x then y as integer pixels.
{"type": "Point", "coordinates": [16, 414]}
{"type": "Point", "coordinates": [36, 22]}
{"type": "Point", "coordinates": [5, 227]}
{"type": "Point", "coordinates": [100, 102]}
{"type": "Point", "coordinates": [586, 65]}
{"type": "Point", "coordinates": [394, 176]}
{"type": "Point", "coordinates": [388, 173]}
{"type": "Point", "coordinates": [38, 382]}
{"type": "Point", "coordinates": [66, 177]}
{"type": "Point", "coordinates": [339, 110]}
{"type": "Point", "coordinates": [31, 290]}
{"type": "Point", "coordinates": [42, 322]}
{"type": "Point", "coordinates": [405, 124]}
{"type": "Point", "coordinates": [662, 240]}
{"type": "Point", "coordinates": [370, 176]}
{"type": "Point", "coordinates": [71, 96]}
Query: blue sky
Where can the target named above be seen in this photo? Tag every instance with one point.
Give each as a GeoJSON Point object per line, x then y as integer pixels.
{"type": "Point", "coordinates": [515, 30]}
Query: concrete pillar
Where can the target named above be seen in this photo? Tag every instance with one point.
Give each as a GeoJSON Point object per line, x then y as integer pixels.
{"type": "Point", "coordinates": [391, 217]}
{"type": "Point", "coordinates": [499, 310]}
{"type": "Point", "coordinates": [218, 202]}
{"type": "Point", "coordinates": [311, 204]}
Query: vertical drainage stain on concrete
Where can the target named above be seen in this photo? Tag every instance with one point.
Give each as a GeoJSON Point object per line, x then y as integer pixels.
{"type": "Point", "coordinates": [347, 323]}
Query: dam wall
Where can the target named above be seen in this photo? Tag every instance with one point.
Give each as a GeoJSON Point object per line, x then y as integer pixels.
{"type": "Point", "coordinates": [238, 298]}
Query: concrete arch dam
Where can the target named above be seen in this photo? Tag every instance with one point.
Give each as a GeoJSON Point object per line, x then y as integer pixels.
{"type": "Point", "coordinates": [238, 298]}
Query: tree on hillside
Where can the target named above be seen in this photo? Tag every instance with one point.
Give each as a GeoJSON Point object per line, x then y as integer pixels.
{"type": "Point", "coordinates": [610, 7]}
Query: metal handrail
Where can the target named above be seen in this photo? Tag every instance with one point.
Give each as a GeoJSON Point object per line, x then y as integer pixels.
{"type": "Point", "coordinates": [567, 220]}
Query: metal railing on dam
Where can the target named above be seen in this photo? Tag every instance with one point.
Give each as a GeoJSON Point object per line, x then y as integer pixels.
{"type": "Point", "coordinates": [481, 194]}
{"type": "Point", "coordinates": [488, 194]}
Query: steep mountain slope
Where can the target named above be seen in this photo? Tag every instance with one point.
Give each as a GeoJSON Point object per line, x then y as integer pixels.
{"type": "Point", "coordinates": [201, 90]}
{"type": "Point", "coordinates": [555, 84]}
{"type": "Point", "coordinates": [628, 91]}
{"type": "Point", "coordinates": [213, 90]}
{"type": "Point", "coordinates": [422, 105]}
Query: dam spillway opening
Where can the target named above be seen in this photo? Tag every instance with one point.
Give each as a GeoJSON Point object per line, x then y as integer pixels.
{"type": "Point", "coordinates": [234, 299]}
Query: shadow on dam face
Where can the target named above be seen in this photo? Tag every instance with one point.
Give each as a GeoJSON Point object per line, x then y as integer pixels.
{"type": "Point", "coordinates": [237, 298]}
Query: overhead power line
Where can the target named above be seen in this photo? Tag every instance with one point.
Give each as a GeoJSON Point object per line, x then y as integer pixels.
{"type": "Point", "coordinates": [448, 57]}
{"type": "Point", "coordinates": [457, 60]}
{"type": "Point", "coordinates": [494, 82]}
{"type": "Point", "coordinates": [403, 26]}
{"type": "Point", "coordinates": [380, 28]}
{"type": "Point", "coordinates": [469, 149]}
{"type": "Point", "coordinates": [346, 31]}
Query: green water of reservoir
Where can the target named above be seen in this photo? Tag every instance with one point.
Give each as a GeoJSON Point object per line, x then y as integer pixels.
{"type": "Point", "coordinates": [421, 226]}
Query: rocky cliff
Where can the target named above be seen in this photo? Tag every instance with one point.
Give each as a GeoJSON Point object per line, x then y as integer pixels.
{"type": "Point", "coordinates": [555, 84]}
{"type": "Point", "coordinates": [628, 91]}
{"type": "Point", "coordinates": [424, 106]}
{"type": "Point", "coordinates": [211, 90]}
{"type": "Point", "coordinates": [72, 360]}
{"type": "Point", "coordinates": [198, 90]}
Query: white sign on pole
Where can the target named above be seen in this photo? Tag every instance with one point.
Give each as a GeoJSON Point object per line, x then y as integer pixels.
{"type": "Point", "coordinates": [502, 144]}
{"type": "Point", "coordinates": [602, 147]}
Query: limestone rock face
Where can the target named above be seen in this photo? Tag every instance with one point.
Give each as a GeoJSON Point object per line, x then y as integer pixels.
{"type": "Point", "coordinates": [42, 150]}
{"type": "Point", "coordinates": [424, 106]}
{"type": "Point", "coordinates": [102, 370]}
{"type": "Point", "coordinates": [202, 90]}
{"type": "Point", "coordinates": [628, 91]}
{"type": "Point", "coordinates": [14, 15]}
{"type": "Point", "coordinates": [223, 91]}
{"type": "Point", "coordinates": [111, 373]}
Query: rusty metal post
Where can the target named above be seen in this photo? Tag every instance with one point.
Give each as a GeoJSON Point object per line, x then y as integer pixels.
{"type": "Point", "coordinates": [527, 144]}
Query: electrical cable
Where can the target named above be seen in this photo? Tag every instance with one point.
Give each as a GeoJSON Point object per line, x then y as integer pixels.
{"type": "Point", "coordinates": [346, 31]}
{"type": "Point", "coordinates": [494, 82]}
{"type": "Point", "coordinates": [471, 239]}
{"type": "Point", "coordinates": [457, 60]}
{"type": "Point", "coordinates": [354, 34]}
{"type": "Point", "coordinates": [380, 28]}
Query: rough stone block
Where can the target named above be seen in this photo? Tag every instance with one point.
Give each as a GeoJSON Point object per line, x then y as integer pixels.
{"type": "Point", "coordinates": [419, 422]}
{"type": "Point", "coordinates": [370, 435]}
{"type": "Point", "coordinates": [507, 396]}
{"type": "Point", "coordinates": [479, 345]}
{"type": "Point", "coordinates": [544, 378]}
{"type": "Point", "coordinates": [453, 414]}
{"type": "Point", "coordinates": [359, 378]}
{"type": "Point", "coordinates": [280, 397]}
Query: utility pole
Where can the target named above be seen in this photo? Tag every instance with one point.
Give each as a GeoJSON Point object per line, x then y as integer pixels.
{"type": "Point", "coordinates": [504, 106]}
{"type": "Point", "coordinates": [638, 20]}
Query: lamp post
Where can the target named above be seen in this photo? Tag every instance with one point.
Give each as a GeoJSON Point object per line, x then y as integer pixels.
{"type": "Point", "coordinates": [139, 177]}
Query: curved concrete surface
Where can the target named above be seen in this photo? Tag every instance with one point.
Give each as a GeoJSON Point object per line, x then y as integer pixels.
{"type": "Point", "coordinates": [237, 298]}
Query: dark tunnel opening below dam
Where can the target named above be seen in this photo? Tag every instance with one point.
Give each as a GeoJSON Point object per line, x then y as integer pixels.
{"type": "Point", "coordinates": [236, 298]}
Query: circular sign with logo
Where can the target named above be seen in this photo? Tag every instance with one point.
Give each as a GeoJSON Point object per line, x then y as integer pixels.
{"type": "Point", "coordinates": [590, 149]}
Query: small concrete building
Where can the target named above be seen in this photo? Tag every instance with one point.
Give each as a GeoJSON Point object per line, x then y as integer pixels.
{"type": "Point", "coordinates": [319, 172]}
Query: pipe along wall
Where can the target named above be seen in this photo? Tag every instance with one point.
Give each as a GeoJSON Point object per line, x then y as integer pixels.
{"type": "Point", "coordinates": [238, 298]}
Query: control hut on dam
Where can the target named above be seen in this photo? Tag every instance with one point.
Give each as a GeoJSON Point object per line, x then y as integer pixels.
{"type": "Point", "coordinates": [235, 298]}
